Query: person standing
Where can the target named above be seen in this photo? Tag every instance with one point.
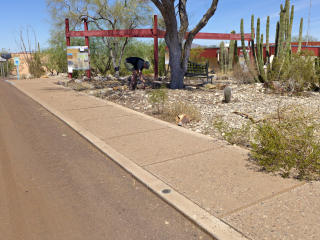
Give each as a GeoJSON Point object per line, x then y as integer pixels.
{"type": "Point", "coordinates": [136, 65]}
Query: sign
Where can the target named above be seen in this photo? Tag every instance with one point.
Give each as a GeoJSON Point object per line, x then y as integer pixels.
{"type": "Point", "coordinates": [6, 55]}
{"type": "Point", "coordinates": [3, 60]}
{"type": "Point", "coordinates": [17, 61]}
{"type": "Point", "coordinates": [78, 58]}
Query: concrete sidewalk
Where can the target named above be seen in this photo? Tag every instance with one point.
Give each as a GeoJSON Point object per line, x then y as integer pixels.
{"type": "Point", "coordinates": [208, 180]}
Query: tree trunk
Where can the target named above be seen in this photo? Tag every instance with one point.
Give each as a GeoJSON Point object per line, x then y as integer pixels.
{"type": "Point", "coordinates": [177, 73]}
{"type": "Point", "coordinates": [176, 76]}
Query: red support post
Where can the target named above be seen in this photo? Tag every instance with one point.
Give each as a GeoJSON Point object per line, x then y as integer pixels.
{"type": "Point", "coordinates": [155, 33]}
{"type": "Point", "coordinates": [68, 38]}
{"type": "Point", "coordinates": [85, 21]}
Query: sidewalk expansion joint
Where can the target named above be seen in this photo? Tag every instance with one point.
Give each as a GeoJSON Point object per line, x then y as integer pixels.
{"type": "Point", "coordinates": [188, 155]}
{"type": "Point", "coordinates": [261, 200]}
{"type": "Point", "coordinates": [85, 108]}
{"type": "Point", "coordinates": [130, 134]}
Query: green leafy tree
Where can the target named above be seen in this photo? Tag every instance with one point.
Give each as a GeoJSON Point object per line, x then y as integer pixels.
{"type": "Point", "coordinates": [55, 56]}
{"type": "Point", "coordinates": [104, 15]}
{"type": "Point", "coordinates": [100, 58]}
{"type": "Point", "coordinates": [195, 54]}
{"type": "Point", "coordinates": [304, 39]}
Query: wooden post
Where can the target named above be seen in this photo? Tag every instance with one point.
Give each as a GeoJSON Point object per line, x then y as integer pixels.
{"type": "Point", "coordinates": [68, 39]}
{"type": "Point", "coordinates": [155, 33]}
{"type": "Point", "coordinates": [87, 44]}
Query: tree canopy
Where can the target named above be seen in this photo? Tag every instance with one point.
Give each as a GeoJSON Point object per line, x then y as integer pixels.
{"type": "Point", "coordinates": [104, 15]}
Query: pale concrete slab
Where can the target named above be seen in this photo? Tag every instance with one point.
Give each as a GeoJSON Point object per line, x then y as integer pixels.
{"type": "Point", "coordinates": [94, 113]}
{"type": "Point", "coordinates": [151, 147]}
{"type": "Point", "coordinates": [292, 215]}
{"type": "Point", "coordinates": [111, 127]}
{"type": "Point", "coordinates": [58, 97]}
{"type": "Point", "coordinates": [220, 181]}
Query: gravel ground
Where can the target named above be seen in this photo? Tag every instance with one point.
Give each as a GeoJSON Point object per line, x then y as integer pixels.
{"type": "Point", "coordinates": [248, 101]}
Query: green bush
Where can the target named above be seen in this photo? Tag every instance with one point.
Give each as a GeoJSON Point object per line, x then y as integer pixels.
{"type": "Point", "coordinates": [289, 145]}
{"type": "Point", "coordinates": [296, 73]}
{"type": "Point", "coordinates": [239, 136]}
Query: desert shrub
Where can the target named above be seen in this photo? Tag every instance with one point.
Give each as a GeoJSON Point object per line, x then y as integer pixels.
{"type": "Point", "coordinates": [176, 108]}
{"type": "Point", "coordinates": [296, 73]}
{"type": "Point", "coordinates": [195, 55]}
{"type": "Point", "coordinates": [158, 98]}
{"type": "Point", "coordinates": [290, 145]}
{"type": "Point", "coordinates": [245, 74]}
{"type": "Point", "coordinates": [240, 136]}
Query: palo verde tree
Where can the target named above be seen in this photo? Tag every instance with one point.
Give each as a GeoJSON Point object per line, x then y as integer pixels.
{"type": "Point", "coordinates": [176, 23]}
{"type": "Point", "coordinates": [104, 15]}
{"type": "Point", "coordinates": [54, 57]}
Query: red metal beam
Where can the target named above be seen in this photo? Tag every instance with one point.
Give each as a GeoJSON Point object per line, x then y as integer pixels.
{"type": "Point", "coordinates": [150, 33]}
{"type": "Point", "coordinates": [222, 36]}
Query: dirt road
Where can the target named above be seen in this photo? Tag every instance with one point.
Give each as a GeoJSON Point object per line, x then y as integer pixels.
{"type": "Point", "coordinates": [56, 185]}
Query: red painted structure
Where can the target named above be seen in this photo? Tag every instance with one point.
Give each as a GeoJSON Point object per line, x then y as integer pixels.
{"type": "Point", "coordinates": [154, 33]}
{"type": "Point", "coordinates": [211, 53]}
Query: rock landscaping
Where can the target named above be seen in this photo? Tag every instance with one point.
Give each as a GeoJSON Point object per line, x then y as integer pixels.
{"type": "Point", "coordinates": [247, 102]}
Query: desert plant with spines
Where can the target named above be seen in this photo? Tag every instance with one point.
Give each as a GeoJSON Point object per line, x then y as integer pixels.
{"type": "Point", "coordinates": [258, 42]}
{"type": "Point", "coordinates": [267, 40]}
{"type": "Point", "coordinates": [227, 94]}
{"type": "Point", "coordinates": [281, 30]}
{"type": "Point", "coordinates": [289, 30]}
{"type": "Point", "coordinates": [252, 26]}
{"type": "Point", "coordinates": [300, 35]}
{"type": "Point", "coordinates": [259, 55]}
{"type": "Point", "coordinates": [221, 60]}
{"type": "Point", "coordinates": [236, 57]}
{"type": "Point", "coordinates": [252, 41]}
{"type": "Point", "coordinates": [261, 49]}
{"type": "Point", "coordinates": [225, 58]}
{"type": "Point", "coordinates": [276, 47]}
{"type": "Point", "coordinates": [231, 52]}
{"type": "Point", "coordinates": [244, 50]}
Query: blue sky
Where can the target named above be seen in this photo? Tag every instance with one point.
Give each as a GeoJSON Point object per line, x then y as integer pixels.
{"type": "Point", "coordinates": [21, 13]}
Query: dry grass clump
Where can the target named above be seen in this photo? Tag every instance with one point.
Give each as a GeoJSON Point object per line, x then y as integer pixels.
{"type": "Point", "coordinates": [172, 110]}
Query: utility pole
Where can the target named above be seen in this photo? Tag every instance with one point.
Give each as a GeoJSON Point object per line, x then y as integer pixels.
{"type": "Point", "coordinates": [308, 25]}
